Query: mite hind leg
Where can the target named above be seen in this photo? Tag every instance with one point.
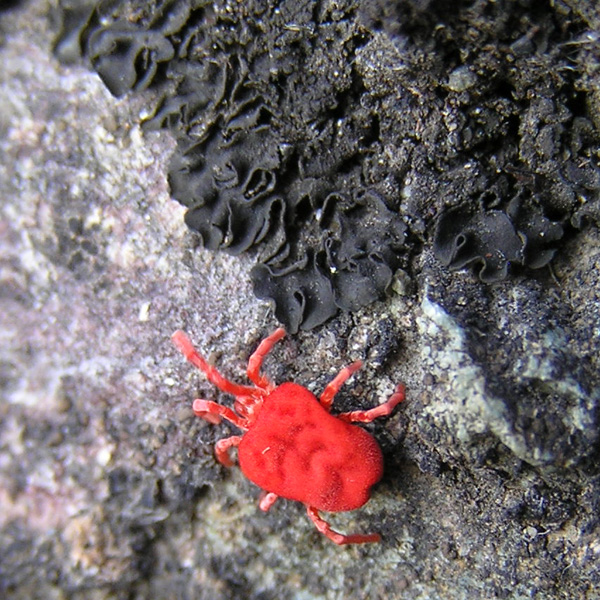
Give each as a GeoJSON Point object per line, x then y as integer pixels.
{"type": "Point", "coordinates": [267, 499]}
{"type": "Point", "coordinates": [339, 538]}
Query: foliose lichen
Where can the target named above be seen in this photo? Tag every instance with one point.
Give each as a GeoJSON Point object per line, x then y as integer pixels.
{"type": "Point", "coordinates": [336, 140]}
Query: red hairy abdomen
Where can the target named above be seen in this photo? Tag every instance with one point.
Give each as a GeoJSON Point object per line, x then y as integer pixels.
{"type": "Point", "coordinates": [297, 450]}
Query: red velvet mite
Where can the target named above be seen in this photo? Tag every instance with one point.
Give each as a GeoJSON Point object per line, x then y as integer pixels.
{"type": "Point", "coordinates": [292, 446]}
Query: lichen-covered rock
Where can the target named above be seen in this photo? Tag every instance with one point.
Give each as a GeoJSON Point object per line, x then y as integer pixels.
{"type": "Point", "coordinates": [264, 98]}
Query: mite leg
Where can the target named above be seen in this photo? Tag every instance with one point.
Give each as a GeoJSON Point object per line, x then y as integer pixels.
{"type": "Point", "coordinates": [212, 412]}
{"type": "Point", "coordinates": [185, 346]}
{"type": "Point", "coordinates": [267, 499]}
{"type": "Point", "coordinates": [336, 537]}
{"type": "Point", "coordinates": [366, 416]}
{"type": "Point", "coordinates": [222, 449]}
{"type": "Point", "coordinates": [257, 357]}
{"type": "Point", "coordinates": [333, 387]}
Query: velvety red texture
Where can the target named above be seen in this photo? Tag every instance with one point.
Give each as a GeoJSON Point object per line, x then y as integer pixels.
{"type": "Point", "coordinates": [297, 450]}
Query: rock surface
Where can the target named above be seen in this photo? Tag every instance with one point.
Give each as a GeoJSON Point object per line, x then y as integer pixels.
{"type": "Point", "coordinates": [335, 139]}
{"type": "Point", "coordinates": [108, 485]}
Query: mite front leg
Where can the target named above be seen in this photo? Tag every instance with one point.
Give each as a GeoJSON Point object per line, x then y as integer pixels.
{"type": "Point", "coordinates": [212, 412]}
{"type": "Point", "coordinates": [256, 359]}
{"type": "Point", "coordinates": [183, 343]}
{"type": "Point", "coordinates": [222, 449]}
{"type": "Point", "coordinates": [333, 387]}
{"type": "Point", "coordinates": [366, 416]}
{"type": "Point", "coordinates": [339, 538]}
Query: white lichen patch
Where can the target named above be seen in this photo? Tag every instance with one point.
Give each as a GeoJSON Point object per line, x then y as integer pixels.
{"type": "Point", "coordinates": [539, 362]}
{"type": "Point", "coordinates": [464, 405]}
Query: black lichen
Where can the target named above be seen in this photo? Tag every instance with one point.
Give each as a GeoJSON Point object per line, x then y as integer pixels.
{"type": "Point", "coordinates": [495, 239]}
{"type": "Point", "coordinates": [302, 292]}
{"type": "Point", "coordinates": [230, 191]}
{"type": "Point", "coordinates": [354, 265]}
{"type": "Point", "coordinates": [335, 140]}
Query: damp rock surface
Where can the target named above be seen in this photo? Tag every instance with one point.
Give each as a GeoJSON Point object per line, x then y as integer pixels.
{"type": "Point", "coordinates": [108, 483]}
